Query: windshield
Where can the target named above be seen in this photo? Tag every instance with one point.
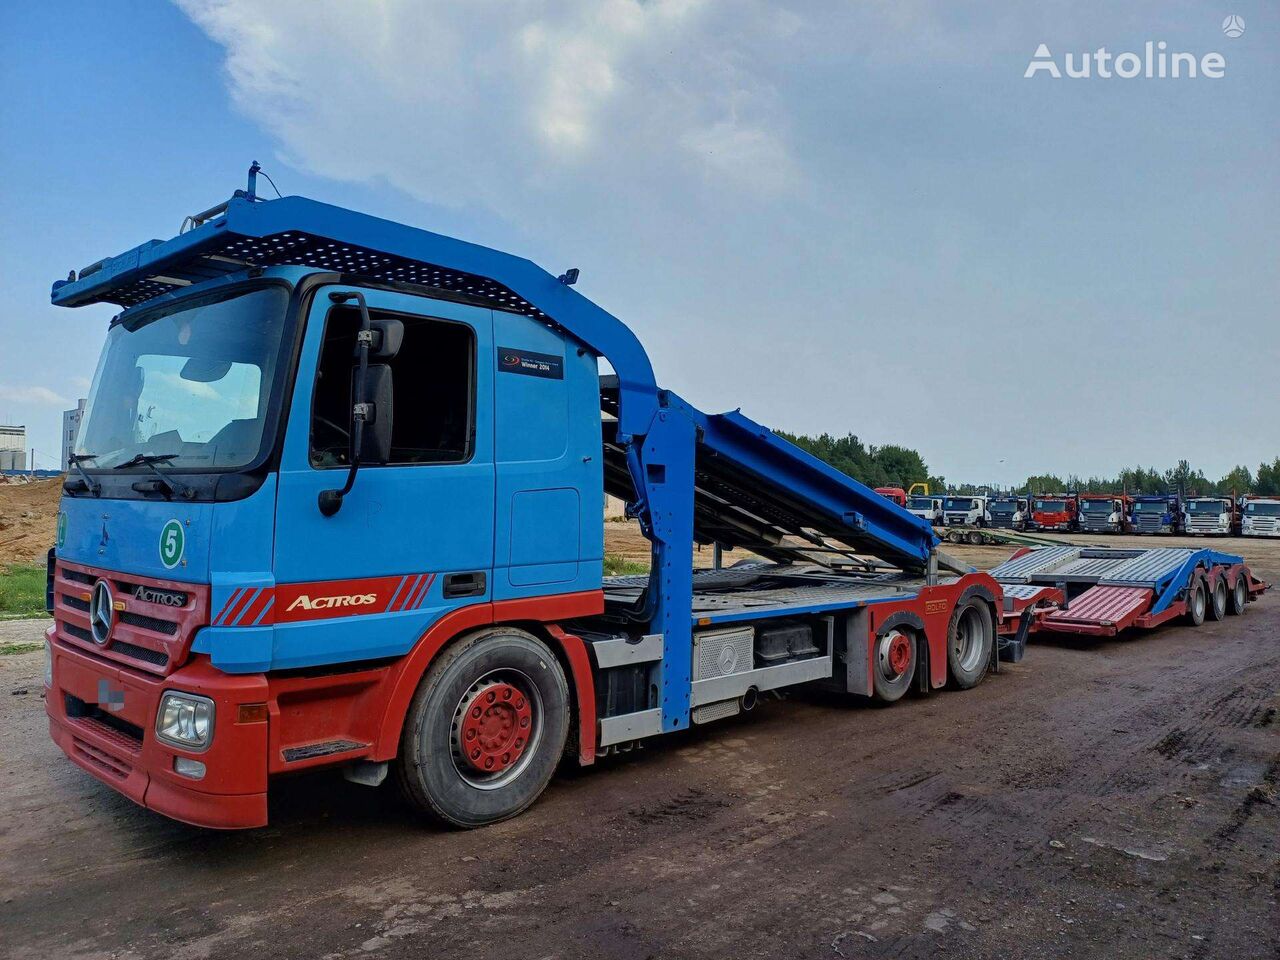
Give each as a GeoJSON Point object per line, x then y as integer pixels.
{"type": "Point", "coordinates": [1003, 506]}
{"type": "Point", "coordinates": [1152, 506]}
{"type": "Point", "coordinates": [920, 503]}
{"type": "Point", "coordinates": [1263, 509]}
{"type": "Point", "coordinates": [1097, 506]}
{"type": "Point", "coordinates": [1051, 506]}
{"type": "Point", "coordinates": [958, 503]}
{"type": "Point", "coordinates": [1206, 506]}
{"type": "Point", "coordinates": [192, 382]}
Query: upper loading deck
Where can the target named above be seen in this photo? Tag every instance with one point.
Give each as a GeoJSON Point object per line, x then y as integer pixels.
{"type": "Point", "coordinates": [752, 488]}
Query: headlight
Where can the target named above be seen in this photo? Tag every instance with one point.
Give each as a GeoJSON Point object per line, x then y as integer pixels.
{"type": "Point", "coordinates": [185, 721]}
{"type": "Point", "coordinates": [48, 664]}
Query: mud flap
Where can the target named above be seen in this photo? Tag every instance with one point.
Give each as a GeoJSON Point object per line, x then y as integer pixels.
{"type": "Point", "coordinates": [1012, 648]}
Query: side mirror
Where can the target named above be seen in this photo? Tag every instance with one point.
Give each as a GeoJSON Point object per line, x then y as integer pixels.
{"type": "Point", "coordinates": [387, 337]}
{"type": "Point", "coordinates": [375, 440]}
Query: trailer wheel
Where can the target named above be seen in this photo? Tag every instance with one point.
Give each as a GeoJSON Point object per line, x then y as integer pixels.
{"type": "Point", "coordinates": [1196, 602]}
{"type": "Point", "coordinates": [486, 729]}
{"type": "Point", "coordinates": [970, 635]}
{"type": "Point", "coordinates": [1218, 604]}
{"type": "Point", "coordinates": [894, 663]}
{"type": "Point", "coordinates": [975, 538]}
{"type": "Point", "coordinates": [1239, 594]}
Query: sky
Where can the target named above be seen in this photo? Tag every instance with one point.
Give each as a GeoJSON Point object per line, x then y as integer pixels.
{"type": "Point", "coordinates": [838, 217]}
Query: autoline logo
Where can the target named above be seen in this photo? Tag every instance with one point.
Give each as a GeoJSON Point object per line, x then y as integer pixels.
{"type": "Point", "coordinates": [1155, 62]}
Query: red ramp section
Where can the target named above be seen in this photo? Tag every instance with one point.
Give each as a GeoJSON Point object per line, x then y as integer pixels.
{"type": "Point", "coordinates": [1101, 611]}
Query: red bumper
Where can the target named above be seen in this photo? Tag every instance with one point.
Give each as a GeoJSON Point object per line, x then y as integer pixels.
{"type": "Point", "coordinates": [103, 718]}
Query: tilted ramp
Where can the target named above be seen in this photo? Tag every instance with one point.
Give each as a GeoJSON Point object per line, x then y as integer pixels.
{"type": "Point", "coordinates": [1108, 589]}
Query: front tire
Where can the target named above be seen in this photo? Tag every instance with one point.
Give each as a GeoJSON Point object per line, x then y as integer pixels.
{"type": "Point", "coordinates": [486, 729]}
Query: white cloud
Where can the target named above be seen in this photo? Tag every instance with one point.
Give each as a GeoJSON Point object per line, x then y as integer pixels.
{"type": "Point", "coordinates": [38, 396]}
{"type": "Point", "coordinates": [507, 104]}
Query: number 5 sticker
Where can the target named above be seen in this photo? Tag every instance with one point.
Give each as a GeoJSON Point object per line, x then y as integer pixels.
{"type": "Point", "coordinates": [173, 541]}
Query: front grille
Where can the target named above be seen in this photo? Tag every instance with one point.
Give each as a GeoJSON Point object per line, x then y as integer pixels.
{"type": "Point", "coordinates": [75, 603]}
{"type": "Point", "coordinates": [80, 633]}
{"type": "Point", "coordinates": [154, 657]}
{"type": "Point", "coordinates": [120, 733]}
{"type": "Point", "coordinates": [167, 627]}
{"type": "Point", "coordinates": [79, 577]}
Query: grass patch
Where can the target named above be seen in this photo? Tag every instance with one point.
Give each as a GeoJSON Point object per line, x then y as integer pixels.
{"type": "Point", "coordinates": [615, 566]}
{"type": "Point", "coordinates": [8, 648]}
{"type": "Point", "coordinates": [21, 592]}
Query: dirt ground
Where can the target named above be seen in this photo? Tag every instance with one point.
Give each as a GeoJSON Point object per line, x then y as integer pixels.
{"type": "Point", "coordinates": [28, 519]}
{"type": "Point", "coordinates": [1114, 799]}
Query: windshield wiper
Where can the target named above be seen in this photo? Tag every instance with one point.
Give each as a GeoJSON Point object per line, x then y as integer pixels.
{"type": "Point", "coordinates": [149, 460]}
{"type": "Point", "coordinates": [90, 485]}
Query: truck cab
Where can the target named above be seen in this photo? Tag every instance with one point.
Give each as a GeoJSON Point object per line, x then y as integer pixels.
{"type": "Point", "coordinates": [965, 511]}
{"type": "Point", "coordinates": [1210, 516]}
{"type": "Point", "coordinates": [1157, 514]}
{"type": "Point", "coordinates": [1008, 513]}
{"type": "Point", "coordinates": [1053, 512]}
{"type": "Point", "coordinates": [926, 508]}
{"type": "Point", "coordinates": [1260, 517]}
{"type": "Point", "coordinates": [1102, 513]}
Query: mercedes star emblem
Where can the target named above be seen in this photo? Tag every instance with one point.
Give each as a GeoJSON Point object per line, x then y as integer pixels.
{"type": "Point", "coordinates": [102, 613]}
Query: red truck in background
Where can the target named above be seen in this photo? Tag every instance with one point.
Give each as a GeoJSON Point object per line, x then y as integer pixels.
{"type": "Point", "coordinates": [1055, 511]}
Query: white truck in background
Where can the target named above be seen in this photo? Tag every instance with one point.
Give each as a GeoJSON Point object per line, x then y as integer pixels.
{"type": "Point", "coordinates": [1260, 517]}
{"type": "Point", "coordinates": [926, 507]}
{"type": "Point", "coordinates": [1212, 516]}
{"type": "Point", "coordinates": [965, 512]}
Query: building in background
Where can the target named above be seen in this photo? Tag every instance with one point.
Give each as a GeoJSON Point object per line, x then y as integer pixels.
{"type": "Point", "coordinates": [13, 448]}
{"type": "Point", "coordinates": [70, 432]}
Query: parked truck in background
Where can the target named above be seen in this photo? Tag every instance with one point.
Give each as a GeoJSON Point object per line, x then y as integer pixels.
{"type": "Point", "coordinates": [926, 507]}
{"type": "Point", "coordinates": [1009, 512]}
{"type": "Point", "coordinates": [1102, 513]}
{"type": "Point", "coordinates": [336, 502]}
{"type": "Point", "coordinates": [965, 511]}
{"type": "Point", "coordinates": [893, 494]}
{"type": "Point", "coordinates": [1260, 517]}
{"type": "Point", "coordinates": [1211, 516]}
{"type": "Point", "coordinates": [1156, 513]}
{"type": "Point", "coordinates": [1053, 512]}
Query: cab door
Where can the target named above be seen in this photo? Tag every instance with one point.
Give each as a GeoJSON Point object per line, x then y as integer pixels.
{"type": "Point", "coordinates": [414, 537]}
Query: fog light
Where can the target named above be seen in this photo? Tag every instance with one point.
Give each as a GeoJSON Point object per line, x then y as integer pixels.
{"type": "Point", "coordinates": [185, 720]}
{"type": "Point", "coordinates": [186, 767]}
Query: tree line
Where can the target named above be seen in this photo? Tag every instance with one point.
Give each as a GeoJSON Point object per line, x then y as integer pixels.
{"type": "Point", "coordinates": [896, 466]}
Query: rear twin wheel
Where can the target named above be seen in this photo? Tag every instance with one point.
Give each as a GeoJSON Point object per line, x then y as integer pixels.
{"type": "Point", "coordinates": [1239, 594]}
{"type": "Point", "coordinates": [1218, 599]}
{"type": "Point", "coordinates": [970, 637]}
{"type": "Point", "coordinates": [486, 729]}
{"type": "Point", "coordinates": [1197, 602]}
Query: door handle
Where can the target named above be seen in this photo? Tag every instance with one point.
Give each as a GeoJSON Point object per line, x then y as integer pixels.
{"type": "Point", "coordinates": [470, 584]}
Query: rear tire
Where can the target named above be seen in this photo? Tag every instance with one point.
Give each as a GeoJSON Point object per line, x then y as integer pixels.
{"type": "Point", "coordinates": [1239, 594]}
{"type": "Point", "coordinates": [486, 729]}
{"type": "Point", "coordinates": [894, 658]}
{"type": "Point", "coordinates": [970, 636]}
{"type": "Point", "coordinates": [1218, 599]}
{"type": "Point", "coordinates": [1197, 602]}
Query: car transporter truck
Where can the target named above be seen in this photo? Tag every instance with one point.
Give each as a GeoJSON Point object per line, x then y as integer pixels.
{"type": "Point", "coordinates": [337, 502]}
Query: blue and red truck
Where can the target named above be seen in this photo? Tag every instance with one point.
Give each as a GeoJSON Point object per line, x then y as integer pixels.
{"type": "Point", "coordinates": [337, 501]}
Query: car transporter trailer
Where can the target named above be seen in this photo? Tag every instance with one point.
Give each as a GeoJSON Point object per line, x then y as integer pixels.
{"type": "Point", "coordinates": [388, 557]}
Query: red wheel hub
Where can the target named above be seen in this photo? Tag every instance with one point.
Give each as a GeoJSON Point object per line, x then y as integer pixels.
{"type": "Point", "coordinates": [899, 654]}
{"type": "Point", "coordinates": [495, 727]}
